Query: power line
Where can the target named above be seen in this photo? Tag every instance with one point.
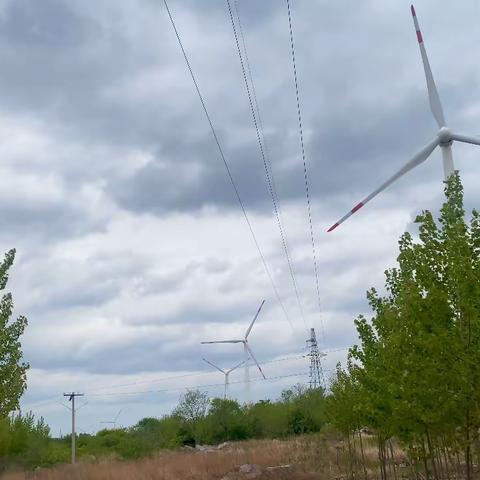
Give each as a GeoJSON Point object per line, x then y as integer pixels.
{"type": "Point", "coordinates": [211, 385]}
{"type": "Point", "coordinates": [224, 160]}
{"type": "Point", "coordinates": [54, 398]}
{"type": "Point", "coordinates": [50, 401]}
{"type": "Point", "coordinates": [267, 165]}
{"type": "Point", "coordinates": [176, 377]}
{"type": "Point", "coordinates": [336, 350]}
{"type": "Point", "coordinates": [307, 189]}
{"type": "Point", "coordinates": [45, 401]}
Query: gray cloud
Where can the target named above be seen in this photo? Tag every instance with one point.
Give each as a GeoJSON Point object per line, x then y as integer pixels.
{"type": "Point", "coordinates": [131, 248]}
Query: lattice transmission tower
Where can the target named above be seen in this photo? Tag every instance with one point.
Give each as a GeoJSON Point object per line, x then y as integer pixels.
{"type": "Point", "coordinates": [317, 378]}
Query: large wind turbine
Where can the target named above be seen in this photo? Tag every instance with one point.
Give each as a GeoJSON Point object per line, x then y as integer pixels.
{"type": "Point", "coordinates": [445, 137]}
{"type": "Point", "coordinates": [226, 373]}
{"type": "Point", "coordinates": [246, 347]}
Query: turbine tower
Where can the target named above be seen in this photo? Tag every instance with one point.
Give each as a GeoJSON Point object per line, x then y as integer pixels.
{"type": "Point", "coordinates": [226, 373]}
{"type": "Point", "coordinates": [317, 378]}
{"type": "Point", "coordinates": [246, 348]}
{"type": "Point", "coordinates": [445, 137]}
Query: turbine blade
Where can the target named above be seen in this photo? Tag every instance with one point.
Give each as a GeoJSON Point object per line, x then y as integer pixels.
{"type": "Point", "coordinates": [435, 104]}
{"type": "Point", "coordinates": [239, 365]}
{"type": "Point", "coordinates": [466, 139]}
{"type": "Point", "coordinates": [420, 157]}
{"type": "Point", "coordinates": [213, 365]}
{"type": "Point", "coordinates": [222, 341]}
{"type": "Point", "coordinates": [253, 321]}
{"type": "Point", "coordinates": [254, 359]}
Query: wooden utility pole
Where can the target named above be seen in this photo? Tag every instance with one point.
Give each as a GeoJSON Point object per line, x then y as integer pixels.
{"type": "Point", "coordinates": [71, 398]}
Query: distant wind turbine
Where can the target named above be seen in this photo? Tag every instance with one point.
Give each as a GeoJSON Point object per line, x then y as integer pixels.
{"type": "Point", "coordinates": [445, 137]}
{"type": "Point", "coordinates": [246, 348]}
{"type": "Point", "coordinates": [226, 373]}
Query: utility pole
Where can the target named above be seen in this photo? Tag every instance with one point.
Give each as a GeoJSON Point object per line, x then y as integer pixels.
{"type": "Point", "coordinates": [317, 378]}
{"type": "Point", "coordinates": [71, 398]}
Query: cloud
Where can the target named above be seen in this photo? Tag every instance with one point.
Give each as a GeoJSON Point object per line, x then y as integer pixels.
{"type": "Point", "coordinates": [131, 247]}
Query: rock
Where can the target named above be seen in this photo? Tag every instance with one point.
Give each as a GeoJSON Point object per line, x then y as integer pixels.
{"type": "Point", "coordinates": [249, 468]}
{"type": "Point", "coordinates": [205, 448]}
{"type": "Point", "coordinates": [222, 445]}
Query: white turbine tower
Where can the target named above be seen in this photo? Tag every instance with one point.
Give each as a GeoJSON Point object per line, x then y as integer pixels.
{"type": "Point", "coordinates": [445, 137]}
{"type": "Point", "coordinates": [226, 373]}
{"type": "Point", "coordinates": [246, 348]}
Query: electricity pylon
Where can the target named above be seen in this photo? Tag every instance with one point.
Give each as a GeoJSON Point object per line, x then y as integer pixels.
{"type": "Point", "coordinates": [317, 378]}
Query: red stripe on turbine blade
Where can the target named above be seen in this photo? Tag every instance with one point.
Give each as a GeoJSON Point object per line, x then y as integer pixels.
{"type": "Point", "coordinates": [333, 227]}
{"type": "Point", "coordinates": [419, 36]}
{"type": "Point", "coordinates": [412, 8]}
{"type": "Point", "coordinates": [357, 207]}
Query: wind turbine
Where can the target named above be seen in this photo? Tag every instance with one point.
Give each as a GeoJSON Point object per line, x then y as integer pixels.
{"type": "Point", "coordinates": [445, 137]}
{"type": "Point", "coordinates": [226, 373]}
{"type": "Point", "coordinates": [246, 348]}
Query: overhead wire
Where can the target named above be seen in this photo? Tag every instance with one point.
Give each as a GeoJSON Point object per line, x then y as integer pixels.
{"type": "Point", "coordinates": [302, 144]}
{"type": "Point", "coordinates": [211, 385]}
{"type": "Point", "coordinates": [175, 389]}
{"type": "Point", "coordinates": [196, 374]}
{"type": "Point", "coordinates": [54, 398]}
{"type": "Point", "coordinates": [46, 401]}
{"type": "Point", "coordinates": [227, 167]}
{"type": "Point", "coordinates": [262, 144]}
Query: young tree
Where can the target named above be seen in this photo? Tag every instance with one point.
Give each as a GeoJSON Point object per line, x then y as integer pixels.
{"type": "Point", "coordinates": [193, 405]}
{"type": "Point", "coordinates": [416, 368]}
{"type": "Point", "coordinates": [13, 370]}
{"type": "Point", "coordinates": [226, 421]}
{"type": "Point", "coordinates": [191, 410]}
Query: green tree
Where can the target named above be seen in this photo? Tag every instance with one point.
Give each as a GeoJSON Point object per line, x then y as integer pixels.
{"type": "Point", "coordinates": [226, 421]}
{"type": "Point", "coordinates": [414, 375]}
{"type": "Point", "coordinates": [13, 381]}
{"type": "Point", "coordinates": [193, 405]}
{"type": "Point", "coordinates": [191, 410]}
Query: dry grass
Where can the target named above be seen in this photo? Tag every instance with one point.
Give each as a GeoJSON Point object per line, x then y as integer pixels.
{"type": "Point", "coordinates": [312, 457]}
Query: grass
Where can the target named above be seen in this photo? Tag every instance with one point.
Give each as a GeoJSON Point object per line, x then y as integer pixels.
{"type": "Point", "coordinates": [311, 457]}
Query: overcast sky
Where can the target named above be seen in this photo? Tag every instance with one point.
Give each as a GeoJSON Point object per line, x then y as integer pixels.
{"type": "Point", "coordinates": [131, 248]}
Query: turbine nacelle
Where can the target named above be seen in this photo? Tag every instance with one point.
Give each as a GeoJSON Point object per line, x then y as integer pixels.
{"type": "Point", "coordinates": [445, 136]}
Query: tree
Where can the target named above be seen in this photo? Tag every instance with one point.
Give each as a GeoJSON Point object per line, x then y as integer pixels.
{"type": "Point", "coordinates": [414, 376]}
{"type": "Point", "coordinates": [13, 371]}
{"type": "Point", "coordinates": [226, 421]}
{"type": "Point", "coordinates": [193, 405]}
{"type": "Point", "coordinates": [192, 408]}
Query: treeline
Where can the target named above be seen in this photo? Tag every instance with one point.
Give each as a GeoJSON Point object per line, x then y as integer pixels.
{"type": "Point", "coordinates": [196, 420]}
{"type": "Point", "coordinates": [414, 378]}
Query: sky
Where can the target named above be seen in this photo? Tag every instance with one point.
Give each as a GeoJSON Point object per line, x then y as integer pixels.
{"type": "Point", "coordinates": [131, 247]}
